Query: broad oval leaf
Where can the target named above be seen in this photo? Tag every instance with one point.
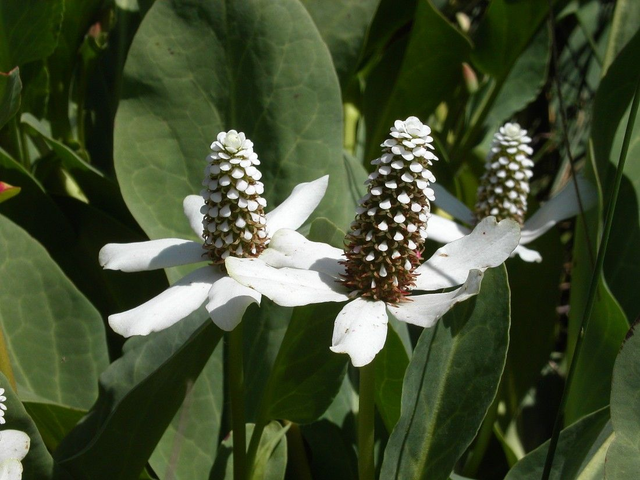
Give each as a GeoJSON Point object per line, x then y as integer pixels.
{"type": "Point", "coordinates": [450, 383]}
{"type": "Point", "coordinates": [55, 336]}
{"type": "Point", "coordinates": [343, 26]}
{"type": "Point", "coordinates": [195, 69]}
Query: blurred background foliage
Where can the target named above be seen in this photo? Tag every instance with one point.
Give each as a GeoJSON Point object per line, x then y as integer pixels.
{"type": "Point", "coordinates": [107, 108]}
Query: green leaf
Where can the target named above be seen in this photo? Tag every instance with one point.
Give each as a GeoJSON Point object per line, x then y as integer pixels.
{"type": "Point", "coordinates": [450, 383]}
{"type": "Point", "coordinates": [55, 336]}
{"type": "Point", "coordinates": [28, 30]}
{"type": "Point", "coordinates": [109, 291]}
{"type": "Point", "coordinates": [258, 67]}
{"type": "Point", "coordinates": [625, 23]}
{"type": "Point", "coordinates": [38, 464]}
{"type": "Point", "coordinates": [591, 385]}
{"type": "Point", "coordinates": [437, 73]}
{"type": "Point", "coordinates": [610, 113]}
{"type": "Point", "coordinates": [306, 375]}
{"type": "Point", "coordinates": [54, 421]}
{"type": "Point", "coordinates": [139, 395]}
{"type": "Point", "coordinates": [264, 329]}
{"type": "Point", "coordinates": [504, 33]}
{"type": "Point", "coordinates": [608, 324]}
{"type": "Point", "coordinates": [324, 230]}
{"type": "Point", "coordinates": [75, 246]}
{"type": "Point", "coordinates": [271, 458]}
{"type": "Point", "coordinates": [343, 26]}
{"type": "Point", "coordinates": [579, 455]}
{"type": "Point", "coordinates": [391, 364]}
{"type": "Point", "coordinates": [101, 192]}
{"type": "Point", "coordinates": [623, 456]}
{"type": "Point", "coordinates": [523, 82]}
{"type": "Point", "coordinates": [188, 447]}
{"type": "Point", "coordinates": [78, 17]}
{"type": "Point", "coordinates": [10, 88]}
{"type": "Point", "coordinates": [33, 209]}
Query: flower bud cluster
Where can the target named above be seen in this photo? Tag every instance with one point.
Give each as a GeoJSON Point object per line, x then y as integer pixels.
{"type": "Point", "coordinates": [504, 186]}
{"type": "Point", "coordinates": [234, 221]}
{"type": "Point", "coordinates": [386, 239]}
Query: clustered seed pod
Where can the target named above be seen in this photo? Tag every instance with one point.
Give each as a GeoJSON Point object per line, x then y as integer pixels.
{"type": "Point", "coordinates": [504, 186]}
{"type": "Point", "coordinates": [234, 221]}
{"type": "Point", "coordinates": [386, 239]}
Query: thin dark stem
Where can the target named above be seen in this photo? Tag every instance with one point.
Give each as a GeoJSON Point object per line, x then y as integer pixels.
{"type": "Point", "coordinates": [594, 282]}
{"type": "Point", "coordinates": [236, 390]}
{"type": "Point", "coordinates": [366, 419]}
{"type": "Point", "coordinates": [565, 129]}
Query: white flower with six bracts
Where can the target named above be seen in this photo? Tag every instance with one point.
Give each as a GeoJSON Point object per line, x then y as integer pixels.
{"type": "Point", "coordinates": [229, 217]}
{"type": "Point", "coordinates": [503, 193]}
{"type": "Point", "coordinates": [379, 273]}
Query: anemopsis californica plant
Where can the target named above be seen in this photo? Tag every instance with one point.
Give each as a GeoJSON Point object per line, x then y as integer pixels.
{"type": "Point", "coordinates": [229, 216]}
{"type": "Point", "coordinates": [503, 193]}
{"type": "Point", "coordinates": [380, 271]}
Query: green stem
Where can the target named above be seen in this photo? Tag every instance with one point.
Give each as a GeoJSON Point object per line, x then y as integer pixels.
{"type": "Point", "coordinates": [602, 249]}
{"type": "Point", "coordinates": [256, 436]}
{"type": "Point", "coordinates": [236, 390]}
{"type": "Point", "coordinates": [366, 419]}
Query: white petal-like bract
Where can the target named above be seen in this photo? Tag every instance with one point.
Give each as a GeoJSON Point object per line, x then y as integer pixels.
{"type": "Point", "coordinates": [228, 300]}
{"type": "Point", "coordinates": [288, 248]}
{"type": "Point", "coordinates": [443, 230]}
{"type": "Point", "coordinates": [488, 245]}
{"type": "Point", "coordinates": [296, 209]}
{"type": "Point", "coordinates": [14, 444]}
{"type": "Point", "coordinates": [360, 330]}
{"type": "Point", "coordinates": [288, 287]}
{"type": "Point", "coordinates": [150, 255]}
{"type": "Point", "coordinates": [425, 310]}
{"type": "Point", "coordinates": [192, 205]}
{"type": "Point", "coordinates": [560, 207]}
{"type": "Point", "coordinates": [172, 305]}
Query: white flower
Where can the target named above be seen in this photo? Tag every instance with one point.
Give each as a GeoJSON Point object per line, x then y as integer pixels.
{"type": "Point", "coordinates": [229, 217]}
{"type": "Point", "coordinates": [377, 274]}
{"type": "Point", "coordinates": [3, 407]}
{"type": "Point", "coordinates": [14, 446]}
{"type": "Point", "coordinates": [503, 193]}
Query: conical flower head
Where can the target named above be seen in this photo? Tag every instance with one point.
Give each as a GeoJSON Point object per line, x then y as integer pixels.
{"type": "Point", "coordinates": [234, 221]}
{"type": "Point", "coordinates": [387, 236]}
{"type": "Point", "coordinates": [504, 186]}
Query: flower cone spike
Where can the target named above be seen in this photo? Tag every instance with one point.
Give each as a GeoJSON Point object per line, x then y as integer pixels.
{"type": "Point", "coordinates": [504, 186]}
{"type": "Point", "coordinates": [234, 221]}
{"type": "Point", "coordinates": [387, 236]}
